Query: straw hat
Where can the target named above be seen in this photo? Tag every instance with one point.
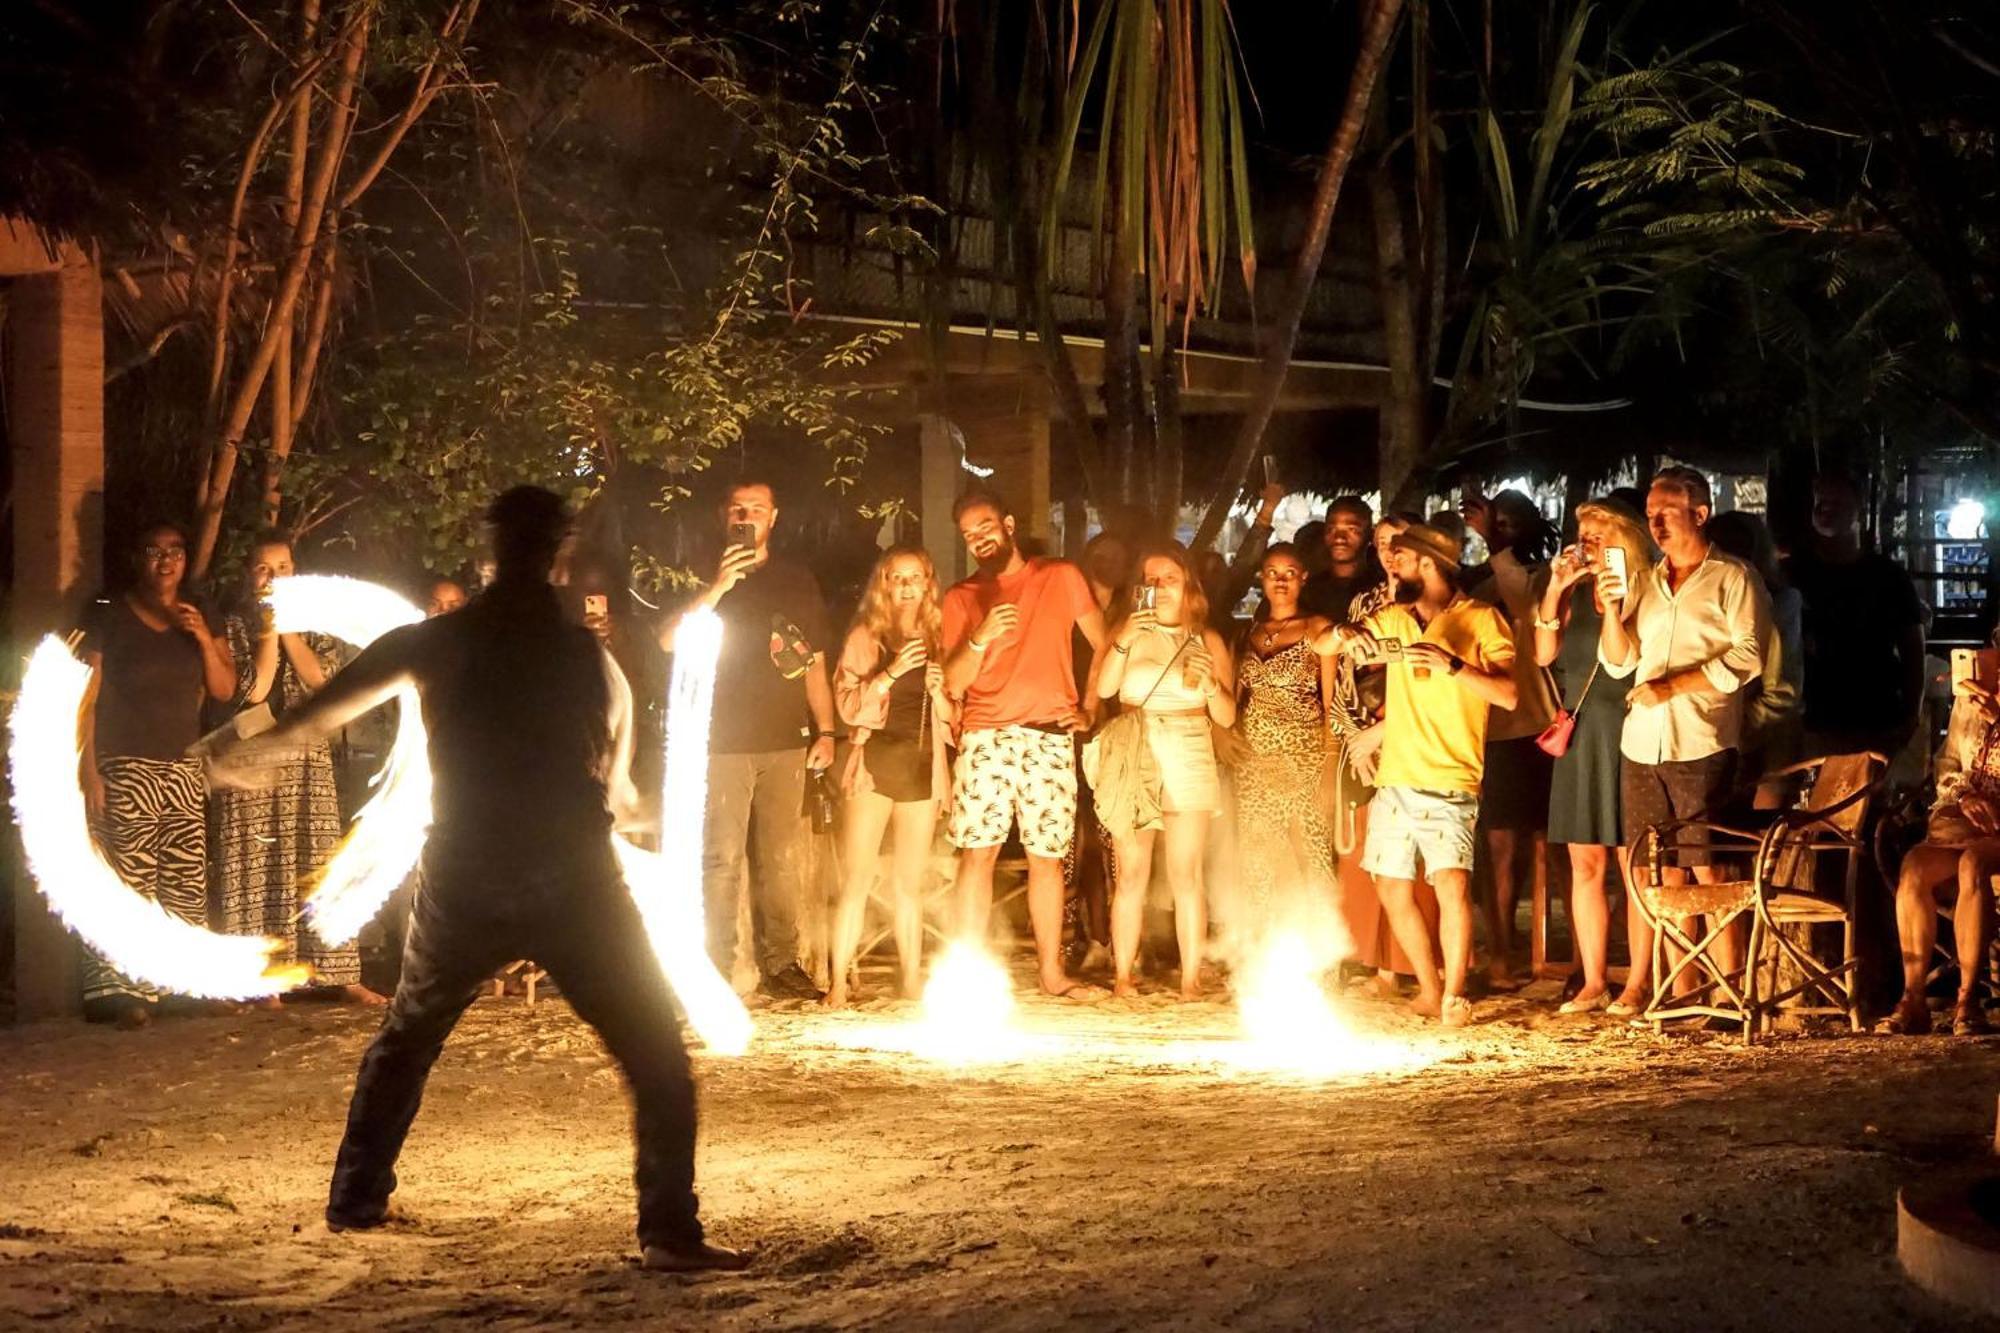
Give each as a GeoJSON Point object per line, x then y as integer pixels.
{"type": "Point", "coordinates": [1424, 539]}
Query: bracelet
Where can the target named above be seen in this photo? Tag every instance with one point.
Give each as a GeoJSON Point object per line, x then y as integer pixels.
{"type": "Point", "coordinates": [824, 736]}
{"type": "Point", "coordinates": [1552, 626]}
{"type": "Point", "coordinates": [975, 645]}
{"type": "Point", "coordinates": [1120, 648]}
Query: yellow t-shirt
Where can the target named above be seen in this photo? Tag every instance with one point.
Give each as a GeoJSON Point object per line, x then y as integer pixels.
{"type": "Point", "coordinates": [1434, 730]}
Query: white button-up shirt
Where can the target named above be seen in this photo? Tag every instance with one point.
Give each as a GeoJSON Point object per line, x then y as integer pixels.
{"type": "Point", "coordinates": [1715, 622]}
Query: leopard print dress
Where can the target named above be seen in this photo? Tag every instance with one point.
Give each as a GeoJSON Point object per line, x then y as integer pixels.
{"type": "Point", "coordinates": [1287, 847]}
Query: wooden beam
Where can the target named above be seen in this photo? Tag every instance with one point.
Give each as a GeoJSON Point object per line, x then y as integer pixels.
{"type": "Point", "coordinates": [55, 396]}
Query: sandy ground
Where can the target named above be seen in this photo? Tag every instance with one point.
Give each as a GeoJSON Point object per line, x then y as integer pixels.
{"type": "Point", "coordinates": [1535, 1171]}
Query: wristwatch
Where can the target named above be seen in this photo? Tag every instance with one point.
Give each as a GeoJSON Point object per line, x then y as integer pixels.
{"type": "Point", "coordinates": [1552, 626]}
{"type": "Point", "coordinates": [1457, 665]}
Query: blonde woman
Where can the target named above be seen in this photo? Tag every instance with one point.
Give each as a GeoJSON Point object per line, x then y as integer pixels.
{"type": "Point", "coordinates": [890, 693]}
{"type": "Point", "coordinates": [1165, 662]}
{"type": "Point", "coordinates": [1584, 804]}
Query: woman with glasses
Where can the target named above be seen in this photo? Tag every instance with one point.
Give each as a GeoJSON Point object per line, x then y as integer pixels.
{"type": "Point", "coordinates": [154, 659]}
{"type": "Point", "coordinates": [272, 841]}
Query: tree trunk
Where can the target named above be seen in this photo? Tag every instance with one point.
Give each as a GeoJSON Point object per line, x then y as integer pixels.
{"type": "Point", "coordinates": [1124, 390]}
{"type": "Point", "coordinates": [1402, 433]}
{"type": "Point", "coordinates": [1170, 447]}
{"type": "Point", "coordinates": [1378, 27]}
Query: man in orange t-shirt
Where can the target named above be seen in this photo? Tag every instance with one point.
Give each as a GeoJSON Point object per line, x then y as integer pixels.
{"type": "Point", "coordinates": [1007, 636]}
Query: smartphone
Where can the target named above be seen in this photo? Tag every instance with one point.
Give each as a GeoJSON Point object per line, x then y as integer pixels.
{"type": "Point", "coordinates": [1146, 595]}
{"type": "Point", "coordinates": [596, 604]}
{"type": "Point", "coordinates": [743, 534]}
{"type": "Point", "coordinates": [1388, 650]}
{"type": "Point", "coordinates": [1270, 469]}
{"type": "Point", "coordinates": [1975, 664]}
{"type": "Point", "coordinates": [1614, 560]}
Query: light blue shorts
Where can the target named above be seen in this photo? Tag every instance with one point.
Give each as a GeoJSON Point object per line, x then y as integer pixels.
{"type": "Point", "coordinates": [1405, 824]}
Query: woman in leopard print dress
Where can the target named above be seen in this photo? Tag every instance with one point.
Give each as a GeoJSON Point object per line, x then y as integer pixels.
{"type": "Point", "coordinates": [1287, 847]}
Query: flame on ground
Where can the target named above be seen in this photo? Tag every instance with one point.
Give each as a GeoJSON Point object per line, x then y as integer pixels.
{"type": "Point", "coordinates": [968, 1008]}
{"type": "Point", "coordinates": [1290, 1024]}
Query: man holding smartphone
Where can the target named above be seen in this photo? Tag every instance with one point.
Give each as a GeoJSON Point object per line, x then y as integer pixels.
{"type": "Point", "coordinates": [1450, 663]}
{"type": "Point", "coordinates": [1691, 629]}
{"type": "Point", "coordinates": [773, 720]}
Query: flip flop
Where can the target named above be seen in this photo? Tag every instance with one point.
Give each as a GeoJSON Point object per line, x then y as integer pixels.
{"type": "Point", "coordinates": [1906, 1020]}
{"type": "Point", "coordinates": [1970, 1021]}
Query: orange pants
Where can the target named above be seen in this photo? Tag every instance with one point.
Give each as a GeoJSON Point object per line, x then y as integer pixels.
{"type": "Point", "coordinates": [1367, 921]}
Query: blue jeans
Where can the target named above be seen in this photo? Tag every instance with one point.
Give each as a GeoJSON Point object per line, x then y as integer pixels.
{"type": "Point", "coordinates": [755, 822]}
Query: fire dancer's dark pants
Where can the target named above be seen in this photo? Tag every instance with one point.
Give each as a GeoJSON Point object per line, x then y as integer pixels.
{"type": "Point", "coordinates": [580, 924]}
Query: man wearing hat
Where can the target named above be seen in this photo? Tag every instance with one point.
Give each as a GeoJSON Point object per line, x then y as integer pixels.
{"type": "Point", "coordinates": [1449, 660]}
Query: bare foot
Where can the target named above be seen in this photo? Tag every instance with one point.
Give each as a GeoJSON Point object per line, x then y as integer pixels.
{"type": "Point", "coordinates": [1062, 988]}
{"type": "Point", "coordinates": [1124, 988]}
{"type": "Point", "coordinates": [695, 1258]}
{"type": "Point", "coordinates": [360, 994]}
{"type": "Point", "coordinates": [1426, 1006]}
{"type": "Point", "coordinates": [835, 998]}
{"type": "Point", "coordinates": [1384, 986]}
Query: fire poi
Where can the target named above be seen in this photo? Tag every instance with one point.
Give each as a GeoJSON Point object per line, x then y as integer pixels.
{"type": "Point", "coordinates": [144, 941]}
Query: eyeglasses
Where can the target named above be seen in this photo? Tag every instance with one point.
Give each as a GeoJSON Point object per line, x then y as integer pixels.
{"type": "Point", "coordinates": [172, 555]}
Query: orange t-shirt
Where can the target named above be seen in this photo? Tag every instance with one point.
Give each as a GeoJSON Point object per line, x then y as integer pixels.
{"type": "Point", "coordinates": [1026, 676]}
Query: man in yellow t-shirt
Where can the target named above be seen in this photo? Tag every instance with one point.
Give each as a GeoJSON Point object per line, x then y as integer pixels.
{"type": "Point", "coordinates": [1449, 660]}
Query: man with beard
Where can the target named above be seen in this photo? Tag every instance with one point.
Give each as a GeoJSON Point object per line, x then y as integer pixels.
{"type": "Point", "coordinates": [771, 684]}
{"type": "Point", "coordinates": [530, 737]}
{"type": "Point", "coordinates": [1450, 660]}
{"type": "Point", "coordinates": [1349, 530]}
{"type": "Point", "coordinates": [1008, 656]}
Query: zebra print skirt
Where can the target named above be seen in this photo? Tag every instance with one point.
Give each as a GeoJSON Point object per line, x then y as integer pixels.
{"type": "Point", "coordinates": [155, 835]}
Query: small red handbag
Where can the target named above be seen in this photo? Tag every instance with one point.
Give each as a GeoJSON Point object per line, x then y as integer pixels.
{"type": "Point", "coordinates": [1555, 737]}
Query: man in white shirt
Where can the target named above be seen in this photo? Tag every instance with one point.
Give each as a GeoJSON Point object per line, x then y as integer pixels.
{"type": "Point", "coordinates": [1691, 627]}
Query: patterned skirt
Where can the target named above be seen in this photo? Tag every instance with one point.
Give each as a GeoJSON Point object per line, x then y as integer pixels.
{"type": "Point", "coordinates": [152, 832]}
{"type": "Point", "coordinates": [270, 846]}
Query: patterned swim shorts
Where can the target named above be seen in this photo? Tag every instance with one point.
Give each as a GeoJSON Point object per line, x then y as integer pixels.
{"type": "Point", "coordinates": [1011, 773]}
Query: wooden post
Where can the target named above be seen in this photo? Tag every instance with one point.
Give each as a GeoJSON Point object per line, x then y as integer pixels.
{"type": "Point", "coordinates": [55, 397]}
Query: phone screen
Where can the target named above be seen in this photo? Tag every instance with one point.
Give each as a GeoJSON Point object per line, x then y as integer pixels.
{"type": "Point", "coordinates": [596, 604]}
{"type": "Point", "coordinates": [1270, 470]}
{"type": "Point", "coordinates": [1143, 595]}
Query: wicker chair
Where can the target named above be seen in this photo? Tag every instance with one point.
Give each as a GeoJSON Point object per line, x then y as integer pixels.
{"type": "Point", "coordinates": [1830, 825]}
{"type": "Point", "coordinates": [1783, 889]}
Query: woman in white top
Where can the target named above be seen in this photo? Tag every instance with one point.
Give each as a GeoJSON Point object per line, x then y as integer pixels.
{"type": "Point", "coordinates": [1165, 661]}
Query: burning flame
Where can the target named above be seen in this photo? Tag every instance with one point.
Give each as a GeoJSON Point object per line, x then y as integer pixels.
{"type": "Point", "coordinates": [137, 936]}
{"type": "Point", "coordinates": [1289, 1023]}
{"type": "Point", "coordinates": [968, 1008]}
{"type": "Point", "coordinates": [388, 833]}
{"type": "Point", "coordinates": [667, 885]}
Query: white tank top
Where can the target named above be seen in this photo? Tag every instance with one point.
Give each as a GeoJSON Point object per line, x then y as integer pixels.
{"type": "Point", "coordinates": [1144, 669]}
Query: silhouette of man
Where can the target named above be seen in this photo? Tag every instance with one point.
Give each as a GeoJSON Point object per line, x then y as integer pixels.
{"type": "Point", "coordinates": [530, 727]}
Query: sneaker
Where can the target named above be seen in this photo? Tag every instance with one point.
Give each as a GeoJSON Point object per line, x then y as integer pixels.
{"type": "Point", "coordinates": [791, 984]}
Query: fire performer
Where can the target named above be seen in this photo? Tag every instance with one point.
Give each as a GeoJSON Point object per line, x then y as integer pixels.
{"type": "Point", "coordinates": [1008, 657]}
{"type": "Point", "coordinates": [530, 727]}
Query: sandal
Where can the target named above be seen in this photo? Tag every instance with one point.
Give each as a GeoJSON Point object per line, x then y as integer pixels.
{"type": "Point", "coordinates": [1601, 1000]}
{"type": "Point", "coordinates": [1970, 1021]}
{"type": "Point", "coordinates": [1910, 1018]}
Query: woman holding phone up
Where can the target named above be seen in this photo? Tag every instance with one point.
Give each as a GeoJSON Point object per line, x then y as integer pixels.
{"type": "Point", "coordinates": [890, 691]}
{"type": "Point", "coordinates": [1584, 804]}
{"type": "Point", "coordinates": [1166, 663]}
